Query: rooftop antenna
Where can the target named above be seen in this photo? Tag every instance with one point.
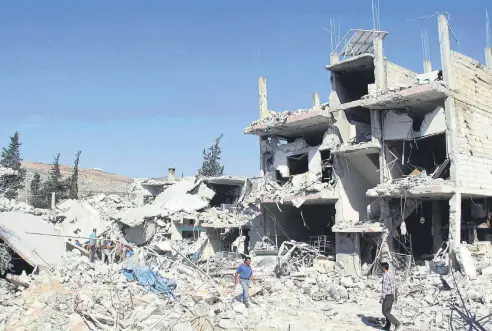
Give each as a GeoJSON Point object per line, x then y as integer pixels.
{"type": "Point", "coordinates": [331, 34]}
{"type": "Point", "coordinates": [488, 34]}
{"type": "Point", "coordinates": [425, 44]}
{"type": "Point", "coordinates": [334, 34]}
{"type": "Point", "coordinates": [375, 16]}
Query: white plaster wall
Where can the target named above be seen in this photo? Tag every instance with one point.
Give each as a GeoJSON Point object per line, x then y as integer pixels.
{"type": "Point", "coordinates": [473, 108]}
{"type": "Point", "coordinates": [396, 126]}
{"type": "Point", "coordinates": [348, 253]}
{"type": "Point", "coordinates": [351, 187]}
{"type": "Point", "coordinates": [175, 233]}
{"type": "Point", "coordinates": [433, 123]}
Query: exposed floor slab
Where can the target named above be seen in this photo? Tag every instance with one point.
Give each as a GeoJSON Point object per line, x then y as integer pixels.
{"type": "Point", "coordinates": [36, 250]}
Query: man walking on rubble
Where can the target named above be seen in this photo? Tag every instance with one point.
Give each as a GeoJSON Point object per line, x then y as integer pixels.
{"type": "Point", "coordinates": [388, 296]}
{"type": "Point", "coordinates": [245, 275]}
{"type": "Point", "coordinates": [92, 244]}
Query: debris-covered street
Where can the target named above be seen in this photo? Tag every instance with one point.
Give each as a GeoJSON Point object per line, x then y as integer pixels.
{"type": "Point", "coordinates": [372, 210]}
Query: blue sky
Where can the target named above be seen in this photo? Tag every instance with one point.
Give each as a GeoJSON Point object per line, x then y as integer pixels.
{"type": "Point", "coordinates": [140, 86]}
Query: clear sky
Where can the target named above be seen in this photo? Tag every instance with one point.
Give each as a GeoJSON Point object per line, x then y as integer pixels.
{"type": "Point", "coordinates": [140, 86]}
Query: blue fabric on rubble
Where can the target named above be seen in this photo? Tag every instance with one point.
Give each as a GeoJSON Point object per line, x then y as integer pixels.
{"type": "Point", "coordinates": [152, 281]}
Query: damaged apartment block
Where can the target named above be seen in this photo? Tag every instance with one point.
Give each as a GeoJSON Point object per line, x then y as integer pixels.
{"type": "Point", "coordinates": [393, 165]}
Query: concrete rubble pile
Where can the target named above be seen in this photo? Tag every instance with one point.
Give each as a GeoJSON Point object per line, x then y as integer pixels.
{"type": "Point", "coordinates": [407, 183]}
{"type": "Point", "coordinates": [7, 205]}
{"type": "Point", "coordinates": [433, 79]}
{"type": "Point", "coordinates": [276, 118]}
{"type": "Point", "coordinates": [271, 190]}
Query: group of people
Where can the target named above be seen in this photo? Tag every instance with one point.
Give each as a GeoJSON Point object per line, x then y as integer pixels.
{"type": "Point", "coordinates": [108, 249]}
{"type": "Point", "coordinates": [389, 290]}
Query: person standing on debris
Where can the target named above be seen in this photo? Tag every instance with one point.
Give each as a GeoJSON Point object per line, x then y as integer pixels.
{"type": "Point", "coordinates": [245, 275]}
{"type": "Point", "coordinates": [108, 251]}
{"type": "Point", "coordinates": [388, 296]}
{"type": "Point", "coordinates": [92, 244]}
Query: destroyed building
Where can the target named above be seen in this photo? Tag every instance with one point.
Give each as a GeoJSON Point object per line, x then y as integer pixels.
{"type": "Point", "coordinates": [395, 155]}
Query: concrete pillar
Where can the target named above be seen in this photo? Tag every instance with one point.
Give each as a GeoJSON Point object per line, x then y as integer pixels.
{"type": "Point", "coordinates": [334, 58]}
{"type": "Point", "coordinates": [333, 99]}
{"type": "Point", "coordinates": [427, 66]}
{"type": "Point", "coordinates": [316, 102]}
{"type": "Point", "coordinates": [347, 247]}
{"type": "Point", "coordinates": [263, 97]}
{"type": "Point", "coordinates": [488, 57]}
{"type": "Point", "coordinates": [379, 64]}
{"type": "Point", "coordinates": [447, 73]}
{"type": "Point", "coordinates": [445, 48]}
{"type": "Point", "coordinates": [436, 226]}
{"type": "Point", "coordinates": [171, 175]}
{"type": "Point", "coordinates": [455, 221]}
{"type": "Point", "coordinates": [387, 220]}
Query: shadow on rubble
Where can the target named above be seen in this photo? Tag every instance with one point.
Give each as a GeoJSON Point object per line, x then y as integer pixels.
{"type": "Point", "coordinates": [375, 322]}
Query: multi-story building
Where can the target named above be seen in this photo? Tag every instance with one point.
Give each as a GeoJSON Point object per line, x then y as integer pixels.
{"type": "Point", "coordinates": [395, 159]}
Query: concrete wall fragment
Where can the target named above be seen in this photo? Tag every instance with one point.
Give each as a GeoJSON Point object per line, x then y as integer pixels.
{"type": "Point", "coordinates": [433, 123]}
{"type": "Point", "coordinates": [397, 126]}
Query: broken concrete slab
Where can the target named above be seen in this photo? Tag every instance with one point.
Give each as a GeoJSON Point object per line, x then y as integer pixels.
{"type": "Point", "coordinates": [78, 217]}
{"type": "Point", "coordinates": [136, 216]}
{"type": "Point", "coordinates": [41, 251]}
{"type": "Point", "coordinates": [466, 262]}
{"type": "Point", "coordinates": [205, 192]}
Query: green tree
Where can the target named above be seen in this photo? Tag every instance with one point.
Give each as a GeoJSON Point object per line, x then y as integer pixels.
{"type": "Point", "coordinates": [37, 197]}
{"type": "Point", "coordinates": [211, 166]}
{"type": "Point", "coordinates": [74, 186]}
{"type": "Point", "coordinates": [55, 182]}
{"type": "Point", "coordinates": [10, 184]}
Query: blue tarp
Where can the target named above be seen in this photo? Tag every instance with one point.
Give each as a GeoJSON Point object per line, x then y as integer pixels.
{"type": "Point", "coordinates": [151, 281]}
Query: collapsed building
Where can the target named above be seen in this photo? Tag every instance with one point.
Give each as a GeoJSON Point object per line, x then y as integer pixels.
{"type": "Point", "coordinates": [395, 157]}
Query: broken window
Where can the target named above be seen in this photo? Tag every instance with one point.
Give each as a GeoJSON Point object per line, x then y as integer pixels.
{"type": "Point", "coordinates": [424, 230]}
{"type": "Point", "coordinates": [368, 246]}
{"type": "Point", "coordinates": [326, 166]}
{"type": "Point", "coordinates": [473, 220]}
{"type": "Point", "coordinates": [279, 178]}
{"type": "Point", "coordinates": [225, 194]}
{"type": "Point", "coordinates": [310, 223]}
{"type": "Point", "coordinates": [351, 86]}
{"type": "Point", "coordinates": [413, 157]}
{"type": "Point", "coordinates": [298, 164]}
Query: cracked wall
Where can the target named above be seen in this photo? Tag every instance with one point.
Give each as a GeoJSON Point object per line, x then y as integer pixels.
{"type": "Point", "coordinates": [473, 107]}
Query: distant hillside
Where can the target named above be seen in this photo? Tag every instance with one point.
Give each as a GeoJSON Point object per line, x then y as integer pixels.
{"type": "Point", "coordinates": [91, 181]}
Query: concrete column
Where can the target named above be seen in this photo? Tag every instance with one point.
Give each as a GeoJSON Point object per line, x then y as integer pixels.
{"type": "Point", "coordinates": [436, 226]}
{"type": "Point", "coordinates": [171, 175]}
{"type": "Point", "coordinates": [316, 102]}
{"type": "Point", "coordinates": [379, 64]}
{"type": "Point", "coordinates": [455, 221]}
{"type": "Point", "coordinates": [347, 247]}
{"type": "Point", "coordinates": [488, 57]}
{"type": "Point", "coordinates": [262, 163]}
{"type": "Point", "coordinates": [387, 220]}
{"type": "Point", "coordinates": [445, 48]}
{"type": "Point", "coordinates": [427, 66]}
{"type": "Point", "coordinates": [334, 58]}
{"type": "Point", "coordinates": [447, 73]}
{"type": "Point", "coordinates": [263, 97]}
